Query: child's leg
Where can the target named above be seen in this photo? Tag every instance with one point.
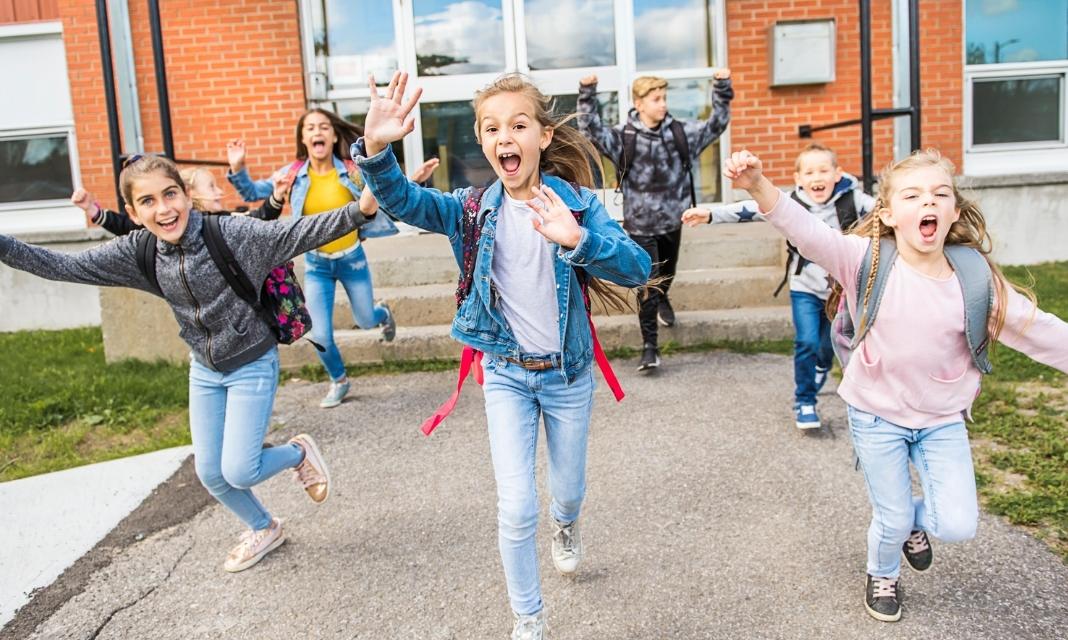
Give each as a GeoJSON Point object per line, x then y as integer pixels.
{"type": "Point", "coordinates": [567, 410]}
{"type": "Point", "coordinates": [207, 414]}
{"type": "Point", "coordinates": [825, 355]}
{"type": "Point", "coordinates": [807, 310]}
{"type": "Point", "coordinates": [319, 287]}
{"type": "Point", "coordinates": [512, 413]}
{"type": "Point", "coordinates": [249, 398]}
{"type": "Point", "coordinates": [949, 509]}
{"type": "Point", "coordinates": [355, 275]}
{"type": "Point", "coordinates": [650, 299]}
{"type": "Point", "coordinates": [667, 247]}
{"type": "Point", "coordinates": [883, 450]}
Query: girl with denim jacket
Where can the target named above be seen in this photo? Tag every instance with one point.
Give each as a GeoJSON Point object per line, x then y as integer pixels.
{"type": "Point", "coordinates": [322, 182]}
{"type": "Point", "coordinates": [525, 311]}
{"type": "Point", "coordinates": [234, 370]}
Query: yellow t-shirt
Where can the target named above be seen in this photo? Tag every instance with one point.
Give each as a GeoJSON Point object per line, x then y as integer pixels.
{"type": "Point", "coordinates": [325, 193]}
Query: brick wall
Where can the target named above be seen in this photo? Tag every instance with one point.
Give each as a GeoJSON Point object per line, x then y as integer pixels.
{"type": "Point", "coordinates": [233, 70]}
{"type": "Point", "coordinates": [765, 119]}
{"type": "Point", "coordinates": [12, 11]}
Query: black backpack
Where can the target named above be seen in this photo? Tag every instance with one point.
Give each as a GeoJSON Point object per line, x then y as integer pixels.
{"type": "Point", "coordinates": [682, 145]}
{"type": "Point", "coordinates": [846, 208]}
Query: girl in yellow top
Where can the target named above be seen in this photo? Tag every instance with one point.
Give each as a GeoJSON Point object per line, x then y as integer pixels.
{"type": "Point", "coordinates": [324, 181]}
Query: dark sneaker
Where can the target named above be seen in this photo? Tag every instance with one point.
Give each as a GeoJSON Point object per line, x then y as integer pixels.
{"type": "Point", "coordinates": [650, 358]}
{"type": "Point", "coordinates": [882, 599]}
{"type": "Point", "coordinates": [917, 551]}
{"type": "Point", "coordinates": [664, 313]}
{"type": "Point", "coordinates": [389, 325]}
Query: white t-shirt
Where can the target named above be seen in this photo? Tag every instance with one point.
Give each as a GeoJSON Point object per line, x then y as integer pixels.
{"type": "Point", "coordinates": [522, 271]}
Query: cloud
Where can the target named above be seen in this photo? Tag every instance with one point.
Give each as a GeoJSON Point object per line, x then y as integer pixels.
{"type": "Point", "coordinates": [671, 38]}
{"type": "Point", "coordinates": [997, 7]}
{"type": "Point", "coordinates": [570, 33]}
{"type": "Point", "coordinates": [465, 30]}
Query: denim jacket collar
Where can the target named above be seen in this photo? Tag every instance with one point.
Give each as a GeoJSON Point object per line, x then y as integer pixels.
{"type": "Point", "coordinates": [493, 197]}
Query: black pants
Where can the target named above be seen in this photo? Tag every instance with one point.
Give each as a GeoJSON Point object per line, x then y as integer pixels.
{"type": "Point", "coordinates": [664, 251]}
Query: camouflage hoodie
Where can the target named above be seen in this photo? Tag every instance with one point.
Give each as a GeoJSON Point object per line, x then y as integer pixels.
{"type": "Point", "coordinates": [657, 189]}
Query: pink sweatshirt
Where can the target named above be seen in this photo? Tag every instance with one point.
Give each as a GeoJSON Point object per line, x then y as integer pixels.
{"type": "Point", "coordinates": [913, 368]}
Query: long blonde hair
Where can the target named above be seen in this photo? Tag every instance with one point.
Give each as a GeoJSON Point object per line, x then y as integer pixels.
{"type": "Point", "coordinates": [969, 230]}
{"type": "Point", "coordinates": [189, 175]}
{"type": "Point", "coordinates": [569, 156]}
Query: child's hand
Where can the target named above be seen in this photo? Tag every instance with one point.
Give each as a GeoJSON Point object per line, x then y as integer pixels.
{"type": "Point", "coordinates": [721, 74]}
{"type": "Point", "coordinates": [557, 222]}
{"type": "Point", "coordinates": [235, 154]}
{"type": "Point", "coordinates": [282, 182]}
{"type": "Point", "coordinates": [744, 169]}
{"type": "Point", "coordinates": [695, 216]}
{"type": "Point", "coordinates": [388, 117]}
{"type": "Point", "coordinates": [84, 201]}
{"type": "Point", "coordinates": [425, 170]}
{"type": "Point", "coordinates": [588, 80]}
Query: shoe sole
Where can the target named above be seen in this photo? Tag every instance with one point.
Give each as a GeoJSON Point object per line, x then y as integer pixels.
{"type": "Point", "coordinates": [882, 617]}
{"type": "Point", "coordinates": [808, 426]}
{"type": "Point", "coordinates": [649, 369]}
{"type": "Point", "coordinates": [664, 323]}
{"type": "Point", "coordinates": [254, 560]}
{"type": "Point", "coordinates": [567, 574]}
{"type": "Point", "coordinates": [906, 559]}
{"type": "Point", "coordinates": [329, 405]}
{"type": "Point", "coordinates": [311, 449]}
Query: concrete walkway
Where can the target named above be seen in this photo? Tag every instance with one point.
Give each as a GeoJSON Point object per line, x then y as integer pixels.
{"type": "Point", "coordinates": [708, 516]}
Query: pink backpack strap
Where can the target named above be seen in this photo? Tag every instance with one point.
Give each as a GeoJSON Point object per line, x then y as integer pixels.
{"type": "Point", "coordinates": [294, 169]}
{"type": "Point", "coordinates": [469, 359]}
{"type": "Point", "coordinates": [603, 364]}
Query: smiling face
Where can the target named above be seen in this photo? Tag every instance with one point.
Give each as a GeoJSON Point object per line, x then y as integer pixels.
{"type": "Point", "coordinates": [159, 204]}
{"type": "Point", "coordinates": [318, 135]}
{"type": "Point", "coordinates": [512, 140]}
{"type": "Point", "coordinates": [205, 191]}
{"type": "Point", "coordinates": [922, 209]}
{"type": "Point", "coordinates": [817, 173]}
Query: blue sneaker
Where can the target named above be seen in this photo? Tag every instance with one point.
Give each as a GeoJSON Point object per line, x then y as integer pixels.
{"type": "Point", "coordinates": [806, 417]}
{"type": "Point", "coordinates": [389, 325]}
{"type": "Point", "coordinates": [821, 378]}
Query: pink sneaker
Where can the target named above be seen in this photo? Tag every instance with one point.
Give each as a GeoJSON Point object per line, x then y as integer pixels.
{"type": "Point", "coordinates": [311, 473]}
{"type": "Point", "coordinates": [254, 545]}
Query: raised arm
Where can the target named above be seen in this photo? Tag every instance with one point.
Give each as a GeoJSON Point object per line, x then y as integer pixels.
{"type": "Point", "coordinates": [251, 190]}
{"type": "Point", "coordinates": [700, 134]}
{"type": "Point", "coordinates": [607, 140]}
{"type": "Point", "coordinates": [1033, 332]}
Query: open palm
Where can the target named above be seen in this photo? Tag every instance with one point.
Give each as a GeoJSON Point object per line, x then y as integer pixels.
{"type": "Point", "coordinates": [389, 117]}
{"type": "Point", "coordinates": [557, 223]}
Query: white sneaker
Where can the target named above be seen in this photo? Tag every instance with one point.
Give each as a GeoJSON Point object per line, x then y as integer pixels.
{"type": "Point", "coordinates": [530, 627]}
{"type": "Point", "coordinates": [336, 394]}
{"type": "Point", "coordinates": [567, 547]}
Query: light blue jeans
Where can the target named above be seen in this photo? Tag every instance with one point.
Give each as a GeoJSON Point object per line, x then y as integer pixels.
{"type": "Point", "coordinates": [515, 399]}
{"type": "Point", "coordinates": [321, 276]}
{"type": "Point", "coordinates": [228, 418]}
{"type": "Point", "coordinates": [948, 509]}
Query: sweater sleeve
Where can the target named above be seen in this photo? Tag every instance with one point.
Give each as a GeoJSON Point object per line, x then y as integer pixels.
{"type": "Point", "coordinates": [840, 255]}
{"type": "Point", "coordinates": [117, 223]}
{"type": "Point", "coordinates": [1041, 336]}
{"type": "Point", "coordinates": [112, 264]}
{"type": "Point", "coordinates": [701, 134]}
{"type": "Point", "coordinates": [608, 140]}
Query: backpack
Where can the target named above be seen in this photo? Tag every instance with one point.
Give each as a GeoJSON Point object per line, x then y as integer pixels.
{"type": "Point", "coordinates": [376, 227]}
{"type": "Point", "coordinates": [976, 283]}
{"type": "Point", "coordinates": [846, 208]}
{"type": "Point", "coordinates": [279, 301]}
{"type": "Point", "coordinates": [682, 145]}
{"type": "Point", "coordinates": [471, 359]}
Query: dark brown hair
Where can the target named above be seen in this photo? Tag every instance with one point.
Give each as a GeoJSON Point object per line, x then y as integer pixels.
{"type": "Point", "coordinates": [144, 166]}
{"type": "Point", "coordinates": [346, 133]}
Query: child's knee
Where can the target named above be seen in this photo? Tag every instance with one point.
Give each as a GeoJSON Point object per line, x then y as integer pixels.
{"type": "Point", "coordinates": [240, 475]}
{"type": "Point", "coordinates": [211, 477]}
{"type": "Point", "coordinates": [957, 526]}
{"type": "Point", "coordinates": [518, 519]}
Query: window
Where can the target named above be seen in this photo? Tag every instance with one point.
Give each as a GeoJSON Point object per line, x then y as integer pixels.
{"type": "Point", "coordinates": [564, 34]}
{"type": "Point", "coordinates": [35, 168]}
{"type": "Point", "coordinates": [354, 39]}
{"type": "Point", "coordinates": [673, 34]}
{"type": "Point", "coordinates": [458, 36]}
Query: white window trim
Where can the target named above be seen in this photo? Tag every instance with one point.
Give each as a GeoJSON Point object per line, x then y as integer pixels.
{"type": "Point", "coordinates": [72, 149]}
{"type": "Point", "coordinates": [30, 29]}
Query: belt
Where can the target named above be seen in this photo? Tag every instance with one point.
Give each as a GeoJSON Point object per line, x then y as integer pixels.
{"type": "Point", "coordinates": [336, 254]}
{"type": "Point", "coordinates": [532, 365]}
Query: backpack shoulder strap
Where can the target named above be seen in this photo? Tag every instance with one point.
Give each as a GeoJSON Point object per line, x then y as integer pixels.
{"type": "Point", "coordinates": [868, 308]}
{"type": "Point", "coordinates": [977, 285]}
{"type": "Point", "coordinates": [227, 264]}
{"type": "Point", "coordinates": [630, 147]}
{"type": "Point", "coordinates": [682, 145]}
{"type": "Point", "coordinates": [146, 259]}
{"type": "Point", "coordinates": [846, 208]}
{"type": "Point", "coordinates": [470, 233]}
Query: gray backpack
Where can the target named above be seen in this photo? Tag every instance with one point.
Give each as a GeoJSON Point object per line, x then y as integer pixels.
{"type": "Point", "coordinates": [976, 283]}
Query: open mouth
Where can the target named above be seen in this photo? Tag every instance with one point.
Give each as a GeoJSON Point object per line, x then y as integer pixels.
{"type": "Point", "coordinates": [818, 191]}
{"type": "Point", "coordinates": [928, 227]}
{"type": "Point", "coordinates": [509, 163]}
{"type": "Point", "coordinates": [168, 225]}
{"type": "Point", "coordinates": [318, 145]}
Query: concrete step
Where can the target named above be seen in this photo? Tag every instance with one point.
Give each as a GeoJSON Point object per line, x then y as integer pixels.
{"type": "Point", "coordinates": [433, 341]}
{"type": "Point", "coordinates": [692, 290]}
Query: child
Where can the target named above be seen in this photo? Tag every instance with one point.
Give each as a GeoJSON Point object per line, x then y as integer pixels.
{"type": "Point", "coordinates": [836, 199]}
{"type": "Point", "coordinates": [911, 381]}
{"type": "Point", "coordinates": [653, 153]}
{"type": "Point", "coordinates": [234, 370]}
{"type": "Point", "coordinates": [525, 310]}
{"type": "Point", "coordinates": [322, 182]}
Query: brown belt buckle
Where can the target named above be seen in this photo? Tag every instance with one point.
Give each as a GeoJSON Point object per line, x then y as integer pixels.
{"type": "Point", "coordinates": [532, 365]}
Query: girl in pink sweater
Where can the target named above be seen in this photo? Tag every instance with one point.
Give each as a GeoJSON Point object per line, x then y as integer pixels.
{"type": "Point", "coordinates": [912, 380]}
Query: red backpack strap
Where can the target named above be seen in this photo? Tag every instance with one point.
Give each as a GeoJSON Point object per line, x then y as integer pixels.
{"type": "Point", "coordinates": [470, 358]}
{"type": "Point", "coordinates": [294, 169]}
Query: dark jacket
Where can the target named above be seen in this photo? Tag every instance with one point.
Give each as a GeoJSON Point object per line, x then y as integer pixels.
{"type": "Point", "coordinates": [656, 190]}
{"type": "Point", "coordinates": [223, 331]}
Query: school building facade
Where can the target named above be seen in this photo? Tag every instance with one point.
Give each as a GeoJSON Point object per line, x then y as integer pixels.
{"type": "Point", "coordinates": [994, 78]}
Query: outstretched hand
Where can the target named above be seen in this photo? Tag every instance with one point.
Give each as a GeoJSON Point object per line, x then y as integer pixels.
{"type": "Point", "coordinates": [389, 117]}
{"type": "Point", "coordinates": [425, 170]}
{"type": "Point", "coordinates": [283, 180]}
{"type": "Point", "coordinates": [235, 154]}
{"type": "Point", "coordinates": [744, 169]}
{"type": "Point", "coordinates": [556, 223]}
{"type": "Point", "coordinates": [695, 216]}
{"type": "Point", "coordinates": [84, 201]}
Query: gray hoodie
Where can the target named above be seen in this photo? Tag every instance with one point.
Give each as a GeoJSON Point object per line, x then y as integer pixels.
{"type": "Point", "coordinates": [223, 331]}
{"type": "Point", "coordinates": [657, 189]}
{"type": "Point", "coordinates": [813, 278]}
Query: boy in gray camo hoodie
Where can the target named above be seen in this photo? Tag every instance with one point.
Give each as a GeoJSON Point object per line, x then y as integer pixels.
{"type": "Point", "coordinates": [656, 183]}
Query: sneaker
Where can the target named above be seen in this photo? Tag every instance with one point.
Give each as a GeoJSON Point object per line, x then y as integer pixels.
{"type": "Point", "coordinates": [882, 600]}
{"type": "Point", "coordinates": [567, 547]}
{"type": "Point", "coordinates": [917, 551]}
{"type": "Point", "coordinates": [254, 545]}
{"type": "Point", "coordinates": [821, 378]}
{"type": "Point", "coordinates": [530, 627]}
{"type": "Point", "coordinates": [334, 396]}
{"type": "Point", "coordinates": [805, 416]}
{"type": "Point", "coordinates": [650, 358]}
{"type": "Point", "coordinates": [311, 473]}
{"type": "Point", "coordinates": [664, 313]}
{"type": "Point", "coordinates": [389, 325]}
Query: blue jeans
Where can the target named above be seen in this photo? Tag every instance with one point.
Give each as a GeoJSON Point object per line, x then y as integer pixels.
{"type": "Point", "coordinates": [948, 509]}
{"type": "Point", "coordinates": [321, 276]}
{"type": "Point", "coordinates": [228, 418]}
{"type": "Point", "coordinates": [812, 344]}
{"type": "Point", "coordinates": [515, 399]}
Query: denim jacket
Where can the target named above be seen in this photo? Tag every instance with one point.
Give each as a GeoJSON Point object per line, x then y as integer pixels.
{"type": "Point", "coordinates": [603, 251]}
{"type": "Point", "coordinates": [253, 190]}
